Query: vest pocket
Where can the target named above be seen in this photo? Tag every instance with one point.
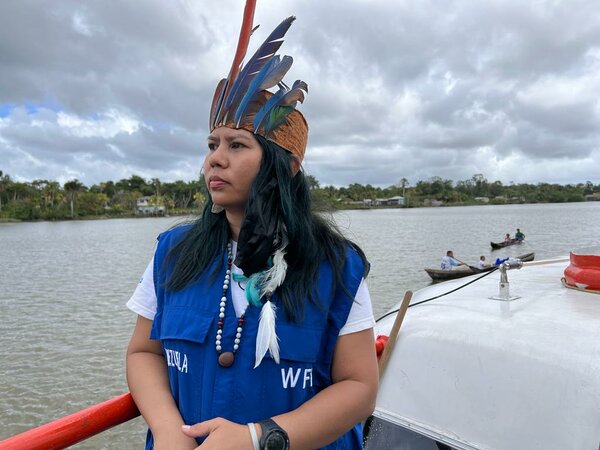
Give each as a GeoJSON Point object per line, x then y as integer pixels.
{"type": "Point", "coordinates": [185, 324]}
{"type": "Point", "coordinates": [298, 343]}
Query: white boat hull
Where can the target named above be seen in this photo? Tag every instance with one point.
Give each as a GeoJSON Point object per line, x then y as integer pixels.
{"type": "Point", "coordinates": [477, 373]}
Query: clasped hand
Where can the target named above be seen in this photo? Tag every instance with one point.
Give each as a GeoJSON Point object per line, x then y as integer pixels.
{"type": "Point", "coordinates": [221, 434]}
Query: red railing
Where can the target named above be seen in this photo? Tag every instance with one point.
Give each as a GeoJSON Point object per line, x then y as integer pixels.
{"type": "Point", "coordinates": [76, 427]}
{"type": "Point", "coordinates": [88, 422]}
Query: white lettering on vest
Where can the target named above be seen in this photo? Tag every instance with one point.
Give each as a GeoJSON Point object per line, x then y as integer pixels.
{"type": "Point", "coordinates": [307, 377]}
{"type": "Point", "coordinates": [290, 377]}
{"type": "Point", "coordinates": [174, 360]}
{"type": "Point", "coordinates": [286, 378]}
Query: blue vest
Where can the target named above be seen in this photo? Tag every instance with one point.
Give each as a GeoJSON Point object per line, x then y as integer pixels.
{"type": "Point", "coordinates": [186, 324]}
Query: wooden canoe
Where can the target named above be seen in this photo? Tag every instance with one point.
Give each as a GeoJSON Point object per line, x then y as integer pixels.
{"type": "Point", "coordinates": [497, 245]}
{"type": "Point", "coordinates": [465, 271]}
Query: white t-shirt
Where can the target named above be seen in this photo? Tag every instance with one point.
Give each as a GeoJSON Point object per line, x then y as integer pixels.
{"type": "Point", "coordinates": [144, 302]}
{"type": "Point", "coordinates": [448, 262]}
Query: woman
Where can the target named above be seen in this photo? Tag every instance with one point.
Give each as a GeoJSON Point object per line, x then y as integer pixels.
{"type": "Point", "coordinates": [254, 324]}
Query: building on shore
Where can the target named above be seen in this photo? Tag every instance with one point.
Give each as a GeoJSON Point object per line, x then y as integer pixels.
{"type": "Point", "coordinates": [392, 201]}
{"type": "Point", "coordinates": [144, 205]}
{"type": "Point", "coordinates": [592, 197]}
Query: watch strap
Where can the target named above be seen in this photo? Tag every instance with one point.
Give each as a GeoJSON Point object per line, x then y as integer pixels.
{"type": "Point", "coordinates": [254, 436]}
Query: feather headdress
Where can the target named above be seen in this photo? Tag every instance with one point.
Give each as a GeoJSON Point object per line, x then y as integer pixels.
{"type": "Point", "coordinates": [242, 100]}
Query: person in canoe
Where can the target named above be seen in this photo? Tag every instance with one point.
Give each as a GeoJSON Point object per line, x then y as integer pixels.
{"type": "Point", "coordinates": [507, 239]}
{"type": "Point", "coordinates": [254, 326]}
{"type": "Point", "coordinates": [481, 264]}
{"type": "Point", "coordinates": [448, 261]}
{"type": "Point", "coordinates": [519, 236]}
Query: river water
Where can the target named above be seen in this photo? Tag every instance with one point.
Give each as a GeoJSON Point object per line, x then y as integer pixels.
{"type": "Point", "coordinates": [64, 327]}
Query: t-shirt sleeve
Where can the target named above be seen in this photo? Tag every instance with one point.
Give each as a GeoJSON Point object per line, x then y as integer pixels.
{"type": "Point", "coordinates": [143, 301]}
{"type": "Point", "coordinates": [361, 314]}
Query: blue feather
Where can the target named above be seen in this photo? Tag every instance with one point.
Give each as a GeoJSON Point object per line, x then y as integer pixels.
{"type": "Point", "coordinates": [262, 113]}
{"type": "Point", "coordinates": [253, 88]}
{"type": "Point", "coordinates": [270, 75]}
{"type": "Point", "coordinates": [252, 288]}
{"type": "Point", "coordinates": [279, 105]}
{"type": "Point", "coordinates": [277, 72]}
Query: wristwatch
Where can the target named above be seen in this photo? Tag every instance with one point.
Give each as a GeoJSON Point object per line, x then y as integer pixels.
{"type": "Point", "coordinates": [273, 436]}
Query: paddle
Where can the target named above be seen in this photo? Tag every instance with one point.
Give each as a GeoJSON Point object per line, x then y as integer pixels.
{"type": "Point", "coordinates": [391, 342]}
{"type": "Point", "coordinates": [387, 351]}
{"type": "Point", "coordinates": [473, 268]}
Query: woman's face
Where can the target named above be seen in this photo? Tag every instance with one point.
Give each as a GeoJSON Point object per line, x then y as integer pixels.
{"type": "Point", "coordinates": [230, 167]}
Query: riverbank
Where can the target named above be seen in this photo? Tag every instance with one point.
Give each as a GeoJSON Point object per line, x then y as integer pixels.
{"type": "Point", "coordinates": [344, 207]}
{"type": "Point", "coordinates": [102, 217]}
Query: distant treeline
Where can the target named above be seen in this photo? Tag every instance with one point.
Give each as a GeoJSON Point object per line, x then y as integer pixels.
{"type": "Point", "coordinates": [48, 200]}
{"type": "Point", "coordinates": [439, 191]}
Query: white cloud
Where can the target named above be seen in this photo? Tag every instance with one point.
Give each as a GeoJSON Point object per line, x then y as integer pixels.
{"type": "Point", "coordinates": [553, 91]}
{"type": "Point", "coordinates": [108, 125]}
{"type": "Point", "coordinates": [81, 25]}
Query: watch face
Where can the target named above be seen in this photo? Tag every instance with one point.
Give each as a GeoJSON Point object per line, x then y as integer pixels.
{"type": "Point", "coordinates": [275, 441]}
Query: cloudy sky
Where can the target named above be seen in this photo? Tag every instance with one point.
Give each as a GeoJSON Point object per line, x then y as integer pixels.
{"type": "Point", "coordinates": [100, 90]}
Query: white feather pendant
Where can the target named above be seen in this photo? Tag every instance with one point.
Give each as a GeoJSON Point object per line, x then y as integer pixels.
{"type": "Point", "coordinates": [275, 275]}
{"type": "Point", "coordinates": [266, 339]}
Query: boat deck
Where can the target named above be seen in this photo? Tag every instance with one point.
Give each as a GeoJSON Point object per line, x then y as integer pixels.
{"type": "Point", "coordinates": [480, 373]}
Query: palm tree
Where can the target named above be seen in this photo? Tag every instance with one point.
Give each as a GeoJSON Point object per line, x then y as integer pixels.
{"type": "Point", "coordinates": [52, 192]}
{"type": "Point", "coordinates": [5, 182]}
{"type": "Point", "coordinates": [403, 183]}
{"type": "Point", "coordinates": [72, 187]}
{"type": "Point", "coordinates": [156, 184]}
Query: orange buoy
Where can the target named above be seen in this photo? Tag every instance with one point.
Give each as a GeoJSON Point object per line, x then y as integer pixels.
{"type": "Point", "coordinates": [584, 270]}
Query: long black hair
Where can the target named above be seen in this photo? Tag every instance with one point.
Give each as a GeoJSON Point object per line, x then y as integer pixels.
{"type": "Point", "coordinates": [311, 238]}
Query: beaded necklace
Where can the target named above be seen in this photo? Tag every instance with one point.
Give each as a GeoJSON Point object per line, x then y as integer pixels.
{"type": "Point", "coordinates": [226, 359]}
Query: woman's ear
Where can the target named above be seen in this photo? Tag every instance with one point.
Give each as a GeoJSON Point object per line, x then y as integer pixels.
{"type": "Point", "coordinates": [295, 165]}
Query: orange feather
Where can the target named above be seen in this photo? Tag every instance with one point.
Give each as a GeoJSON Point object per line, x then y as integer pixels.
{"type": "Point", "coordinates": [240, 52]}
